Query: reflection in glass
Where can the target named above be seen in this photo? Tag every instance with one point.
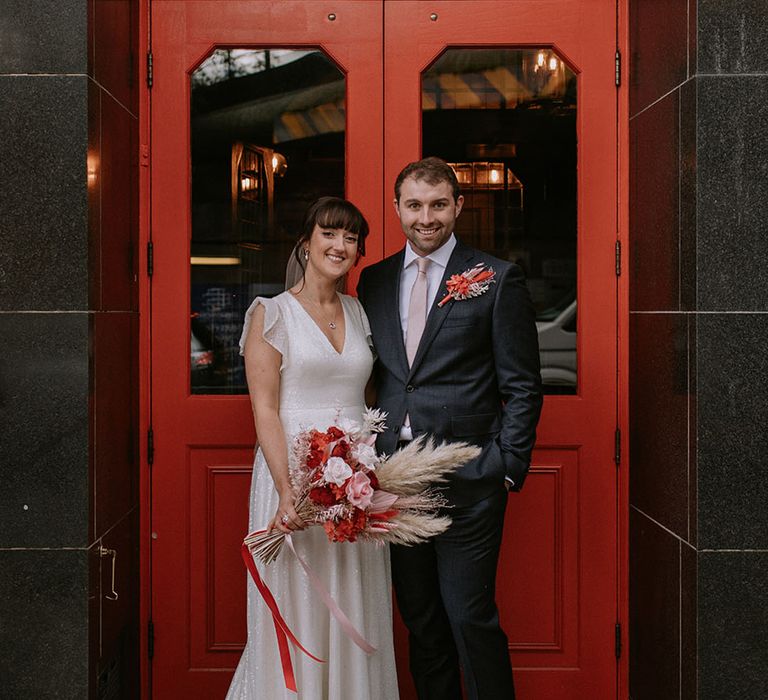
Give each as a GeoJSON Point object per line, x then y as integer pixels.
{"type": "Point", "coordinates": [505, 119]}
{"type": "Point", "coordinates": [267, 138]}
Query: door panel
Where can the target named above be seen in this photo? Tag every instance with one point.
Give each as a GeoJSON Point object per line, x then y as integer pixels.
{"type": "Point", "coordinates": [208, 264]}
{"type": "Point", "coordinates": [557, 583]}
{"type": "Point", "coordinates": [557, 576]}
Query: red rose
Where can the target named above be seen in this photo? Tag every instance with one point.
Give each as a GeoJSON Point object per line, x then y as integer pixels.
{"type": "Point", "coordinates": [322, 495]}
{"type": "Point", "coordinates": [334, 433]}
{"type": "Point", "coordinates": [340, 449]}
{"type": "Point", "coordinates": [314, 459]}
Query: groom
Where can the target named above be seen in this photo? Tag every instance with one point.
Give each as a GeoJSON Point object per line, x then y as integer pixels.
{"type": "Point", "coordinates": [466, 369]}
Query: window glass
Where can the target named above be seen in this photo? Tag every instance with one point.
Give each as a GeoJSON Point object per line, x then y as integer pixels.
{"type": "Point", "coordinates": [267, 138]}
{"type": "Point", "coordinates": [505, 119]}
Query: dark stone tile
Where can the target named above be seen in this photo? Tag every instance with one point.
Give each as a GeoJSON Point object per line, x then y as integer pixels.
{"type": "Point", "coordinates": [119, 274]}
{"type": "Point", "coordinates": [732, 234]}
{"type": "Point", "coordinates": [115, 35]}
{"type": "Point", "coordinates": [44, 227]}
{"type": "Point", "coordinates": [94, 617]}
{"type": "Point", "coordinates": [733, 618]}
{"type": "Point", "coordinates": [688, 196]}
{"type": "Point", "coordinates": [693, 41]}
{"type": "Point", "coordinates": [732, 378]}
{"type": "Point", "coordinates": [44, 630]}
{"type": "Point", "coordinates": [659, 49]}
{"type": "Point", "coordinates": [659, 418]}
{"type": "Point", "coordinates": [688, 622]}
{"type": "Point", "coordinates": [732, 36]}
{"type": "Point", "coordinates": [654, 609]}
{"type": "Point", "coordinates": [45, 36]}
{"type": "Point", "coordinates": [95, 177]}
{"type": "Point", "coordinates": [693, 422]}
{"type": "Point", "coordinates": [115, 443]}
{"type": "Point", "coordinates": [654, 226]}
{"type": "Point", "coordinates": [44, 433]}
{"type": "Point", "coordinates": [119, 663]}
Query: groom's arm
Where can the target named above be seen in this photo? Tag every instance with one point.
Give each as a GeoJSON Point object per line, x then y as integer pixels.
{"type": "Point", "coordinates": [516, 356]}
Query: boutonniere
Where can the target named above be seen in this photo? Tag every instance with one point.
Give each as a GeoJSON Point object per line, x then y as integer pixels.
{"type": "Point", "coordinates": [470, 283]}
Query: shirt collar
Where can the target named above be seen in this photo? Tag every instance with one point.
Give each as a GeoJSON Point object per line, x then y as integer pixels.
{"type": "Point", "coordinates": [440, 257]}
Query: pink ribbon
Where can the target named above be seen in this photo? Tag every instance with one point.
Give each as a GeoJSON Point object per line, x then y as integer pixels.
{"type": "Point", "coordinates": [283, 632]}
{"type": "Point", "coordinates": [330, 603]}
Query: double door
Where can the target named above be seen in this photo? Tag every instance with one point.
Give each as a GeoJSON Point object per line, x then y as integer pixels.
{"type": "Point", "coordinates": [259, 107]}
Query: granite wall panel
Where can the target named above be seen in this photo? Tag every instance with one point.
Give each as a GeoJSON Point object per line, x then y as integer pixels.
{"type": "Point", "coordinates": [732, 36]}
{"type": "Point", "coordinates": [44, 630]}
{"type": "Point", "coordinates": [732, 450]}
{"type": "Point", "coordinates": [44, 227]}
{"type": "Point", "coordinates": [658, 50]}
{"type": "Point", "coordinates": [732, 231]}
{"type": "Point", "coordinates": [654, 608]}
{"type": "Point", "coordinates": [44, 36]}
{"type": "Point", "coordinates": [733, 619]}
{"type": "Point", "coordinates": [659, 403]}
{"type": "Point", "coordinates": [654, 222]}
{"type": "Point", "coordinates": [44, 399]}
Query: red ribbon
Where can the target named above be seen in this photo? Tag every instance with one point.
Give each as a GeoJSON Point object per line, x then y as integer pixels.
{"type": "Point", "coordinates": [283, 632]}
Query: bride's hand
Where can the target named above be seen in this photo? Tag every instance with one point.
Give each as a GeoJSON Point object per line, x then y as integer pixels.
{"type": "Point", "coordinates": [286, 518]}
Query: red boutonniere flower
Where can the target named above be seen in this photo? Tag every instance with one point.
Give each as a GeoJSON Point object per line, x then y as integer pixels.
{"type": "Point", "coordinates": [470, 283]}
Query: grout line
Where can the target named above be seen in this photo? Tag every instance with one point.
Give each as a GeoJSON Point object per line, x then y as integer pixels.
{"type": "Point", "coordinates": [680, 622]}
{"type": "Point", "coordinates": [663, 527]}
{"type": "Point", "coordinates": [44, 75]}
{"type": "Point", "coordinates": [659, 99]}
{"type": "Point", "coordinates": [700, 313]}
{"type": "Point", "coordinates": [119, 102]}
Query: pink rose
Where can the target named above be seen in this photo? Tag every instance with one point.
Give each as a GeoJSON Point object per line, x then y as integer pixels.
{"type": "Point", "coordinates": [359, 490]}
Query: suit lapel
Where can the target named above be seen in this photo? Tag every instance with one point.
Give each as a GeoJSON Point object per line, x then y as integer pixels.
{"type": "Point", "coordinates": [390, 312]}
{"type": "Point", "coordinates": [457, 263]}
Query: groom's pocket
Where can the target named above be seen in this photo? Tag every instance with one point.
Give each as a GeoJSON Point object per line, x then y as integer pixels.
{"type": "Point", "coordinates": [475, 425]}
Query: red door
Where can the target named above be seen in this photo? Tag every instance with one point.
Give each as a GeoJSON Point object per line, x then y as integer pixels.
{"type": "Point", "coordinates": [257, 107]}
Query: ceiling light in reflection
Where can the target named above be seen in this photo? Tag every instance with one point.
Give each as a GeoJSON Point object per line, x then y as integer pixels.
{"type": "Point", "coordinates": [213, 260]}
{"type": "Point", "coordinates": [553, 63]}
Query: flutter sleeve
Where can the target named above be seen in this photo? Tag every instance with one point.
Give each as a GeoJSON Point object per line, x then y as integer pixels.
{"type": "Point", "coordinates": [275, 332]}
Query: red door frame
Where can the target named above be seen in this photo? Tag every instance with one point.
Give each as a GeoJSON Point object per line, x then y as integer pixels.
{"type": "Point", "coordinates": [144, 388]}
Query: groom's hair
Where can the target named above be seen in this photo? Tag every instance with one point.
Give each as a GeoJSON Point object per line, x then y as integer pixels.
{"type": "Point", "coordinates": [433, 170]}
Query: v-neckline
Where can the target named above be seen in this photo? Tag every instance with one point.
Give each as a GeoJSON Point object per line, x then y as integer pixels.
{"type": "Point", "coordinates": [320, 330]}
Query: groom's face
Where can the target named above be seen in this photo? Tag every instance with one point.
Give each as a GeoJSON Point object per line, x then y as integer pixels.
{"type": "Point", "coordinates": [427, 213]}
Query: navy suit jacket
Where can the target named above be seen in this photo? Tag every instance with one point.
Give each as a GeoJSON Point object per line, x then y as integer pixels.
{"type": "Point", "coordinates": [475, 376]}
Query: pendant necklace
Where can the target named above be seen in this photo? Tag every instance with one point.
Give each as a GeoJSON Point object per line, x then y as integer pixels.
{"type": "Point", "coordinates": [332, 322]}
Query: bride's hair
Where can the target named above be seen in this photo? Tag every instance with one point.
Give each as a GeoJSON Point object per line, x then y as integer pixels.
{"type": "Point", "coordinates": [331, 212]}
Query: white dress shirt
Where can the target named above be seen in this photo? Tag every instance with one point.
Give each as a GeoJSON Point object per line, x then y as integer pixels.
{"type": "Point", "coordinates": [435, 271]}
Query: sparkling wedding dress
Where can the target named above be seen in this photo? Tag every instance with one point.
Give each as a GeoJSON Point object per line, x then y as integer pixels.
{"type": "Point", "coordinates": [318, 386]}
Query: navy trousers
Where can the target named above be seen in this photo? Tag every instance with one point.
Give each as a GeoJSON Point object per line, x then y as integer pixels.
{"type": "Point", "coordinates": [446, 595]}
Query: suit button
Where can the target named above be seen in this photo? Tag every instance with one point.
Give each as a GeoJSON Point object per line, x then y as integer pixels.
{"type": "Point", "coordinates": [410, 388]}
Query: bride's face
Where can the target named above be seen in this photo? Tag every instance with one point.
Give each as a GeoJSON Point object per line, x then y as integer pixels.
{"type": "Point", "coordinates": [332, 251]}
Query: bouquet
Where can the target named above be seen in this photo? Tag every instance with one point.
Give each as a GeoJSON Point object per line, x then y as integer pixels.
{"type": "Point", "coordinates": [343, 485]}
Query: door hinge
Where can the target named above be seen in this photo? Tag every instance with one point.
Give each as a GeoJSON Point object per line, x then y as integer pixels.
{"type": "Point", "coordinates": [617, 640]}
{"type": "Point", "coordinates": [150, 69]}
{"type": "Point", "coordinates": [150, 447]}
{"type": "Point", "coordinates": [150, 259]}
{"type": "Point", "coordinates": [618, 258]}
{"type": "Point", "coordinates": [151, 639]}
{"type": "Point", "coordinates": [617, 447]}
{"type": "Point", "coordinates": [617, 66]}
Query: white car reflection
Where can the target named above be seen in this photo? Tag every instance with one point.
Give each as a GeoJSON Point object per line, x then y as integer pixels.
{"type": "Point", "coordinates": [557, 348]}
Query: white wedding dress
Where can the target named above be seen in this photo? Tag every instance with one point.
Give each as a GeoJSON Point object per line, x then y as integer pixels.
{"type": "Point", "coordinates": [318, 386]}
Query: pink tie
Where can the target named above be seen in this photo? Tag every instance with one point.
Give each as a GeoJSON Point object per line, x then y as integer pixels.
{"type": "Point", "coordinates": [417, 310]}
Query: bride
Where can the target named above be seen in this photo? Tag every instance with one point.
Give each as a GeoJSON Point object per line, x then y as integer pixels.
{"type": "Point", "coordinates": [308, 357]}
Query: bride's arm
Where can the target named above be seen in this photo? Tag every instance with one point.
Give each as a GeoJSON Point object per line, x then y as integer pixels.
{"type": "Point", "coordinates": [262, 368]}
